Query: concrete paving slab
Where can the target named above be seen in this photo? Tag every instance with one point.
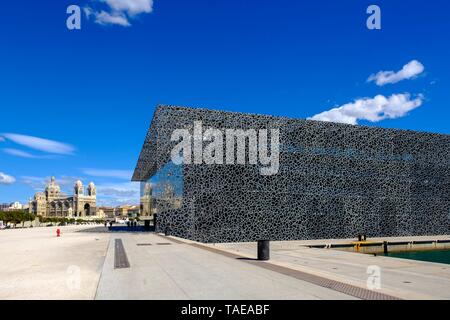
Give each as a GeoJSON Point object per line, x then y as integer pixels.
{"type": "Point", "coordinates": [180, 271]}
{"type": "Point", "coordinates": [407, 279]}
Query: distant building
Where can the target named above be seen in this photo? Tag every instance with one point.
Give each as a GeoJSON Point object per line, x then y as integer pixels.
{"type": "Point", "coordinates": [15, 206]}
{"type": "Point", "coordinates": [127, 211]}
{"type": "Point", "coordinates": [53, 203]}
{"type": "Point", "coordinates": [4, 206]}
{"type": "Point", "coordinates": [107, 212]}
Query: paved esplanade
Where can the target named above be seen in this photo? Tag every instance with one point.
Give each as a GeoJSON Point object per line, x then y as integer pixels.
{"type": "Point", "coordinates": [402, 278]}
{"type": "Point", "coordinates": [38, 265]}
{"type": "Point", "coordinates": [35, 264]}
{"type": "Point", "coordinates": [93, 265]}
{"type": "Point", "coordinates": [164, 269]}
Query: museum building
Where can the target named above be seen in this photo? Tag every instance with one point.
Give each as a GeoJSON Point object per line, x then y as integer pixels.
{"type": "Point", "coordinates": [330, 180]}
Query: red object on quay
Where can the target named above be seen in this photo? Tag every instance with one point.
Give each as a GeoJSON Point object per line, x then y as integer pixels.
{"type": "Point", "coordinates": [58, 232]}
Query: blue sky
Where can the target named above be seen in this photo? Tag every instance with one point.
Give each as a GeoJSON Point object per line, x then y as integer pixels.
{"type": "Point", "coordinates": [94, 90]}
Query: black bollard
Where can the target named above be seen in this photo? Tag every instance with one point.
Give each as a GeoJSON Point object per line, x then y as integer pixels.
{"type": "Point", "coordinates": [263, 250]}
{"type": "Point", "coordinates": [385, 247]}
{"type": "Point", "coordinates": [359, 237]}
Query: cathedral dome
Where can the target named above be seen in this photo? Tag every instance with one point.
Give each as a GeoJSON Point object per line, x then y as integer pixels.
{"type": "Point", "coordinates": [53, 187]}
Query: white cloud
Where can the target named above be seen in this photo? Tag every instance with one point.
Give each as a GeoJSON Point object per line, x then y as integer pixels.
{"type": "Point", "coordinates": [131, 7]}
{"type": "Point", "coordinates": [371, 109]}
{"type": "Point", "coordinates": [6, 179]}
{"type": "Point", "coordinates": [19, 153]}
{"type": "Point", "coordinates": [410, 70]}
{"type": "Point", "coordinates": [38, 183]}
{"type": "Point", "coordinates": [88, 11]}
{"type": "Point", "coordinates": [105, 18]}
{"type": "Point", "coordinates": [118, 193]}
{"type": "Point", "coordinates": [119, 174]}
{"type": "Point", "coordinates": [119, 189]}
{"type": "Point", "coordinates": [119, 12]}
{"type": "Point", "coordinates": [41, 144]}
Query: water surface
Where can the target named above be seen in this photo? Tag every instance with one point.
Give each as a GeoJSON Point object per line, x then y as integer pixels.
{"type": "Point", "coordinates": [440, 256]}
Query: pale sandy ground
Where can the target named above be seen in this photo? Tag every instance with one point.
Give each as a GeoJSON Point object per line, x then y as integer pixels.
{"type": "Point", "coordinates": [35, 264]}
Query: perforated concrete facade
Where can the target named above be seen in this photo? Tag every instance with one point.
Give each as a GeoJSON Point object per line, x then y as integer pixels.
{"type": "Point", "coordinates": [334, 181]}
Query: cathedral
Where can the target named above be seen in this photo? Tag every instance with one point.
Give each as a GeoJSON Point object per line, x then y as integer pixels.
{"type": "Point", "coordinates": [54, 203]}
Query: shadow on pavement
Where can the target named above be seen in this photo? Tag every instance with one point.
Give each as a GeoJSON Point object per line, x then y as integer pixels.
{"type": "Point", "coordinates": [118, 229]}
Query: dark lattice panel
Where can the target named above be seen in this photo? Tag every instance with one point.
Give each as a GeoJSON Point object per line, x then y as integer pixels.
{"type": "Point", "coordinates": [334, 181]}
